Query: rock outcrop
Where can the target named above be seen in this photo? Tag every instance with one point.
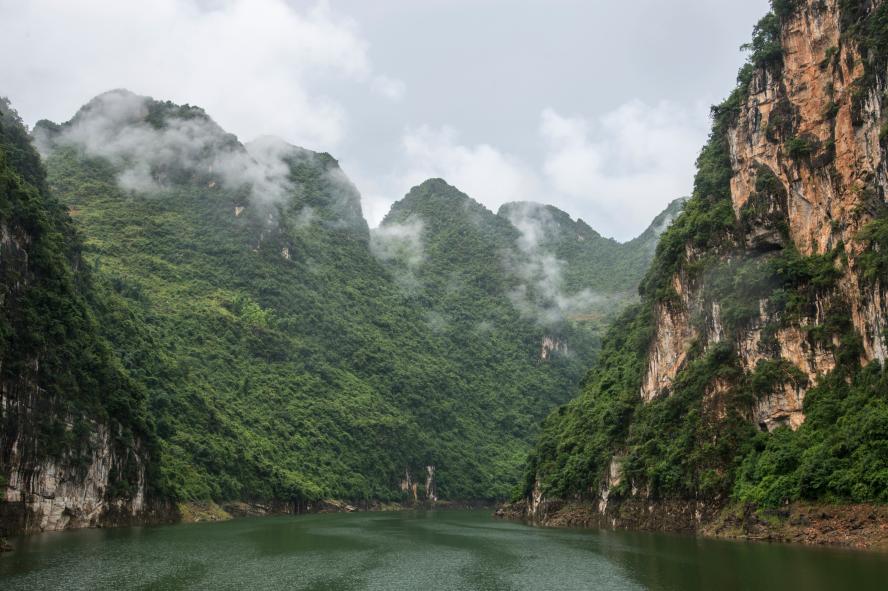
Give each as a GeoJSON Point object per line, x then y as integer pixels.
{"type": "Point", "coordinates": [812, 130]}
{"type": "Point", "coordinates": [768, 287]}
{"type": "Point", "coordinates": [73, 439]}
{"type": "Point", "coordinates": [45, 493]}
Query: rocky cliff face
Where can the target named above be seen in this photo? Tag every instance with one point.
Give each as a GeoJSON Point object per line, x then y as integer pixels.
{"type": "Point", "coordinates": [73, 450]}
{"type": "Point", "coordinates": [813, 130]}
{"type": "Point", "coordinates": [77, 489]}
{"type": "Point", "coordinates": [767, 290]}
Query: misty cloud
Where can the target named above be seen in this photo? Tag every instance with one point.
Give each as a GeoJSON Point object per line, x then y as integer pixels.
{"type": "Point", "coordinates": [401, 247]}
{"type": "Point", "coordinates": [114, 127]}
{"type": "Point", "coordinates": [542, 293]}
{"type": "Point", "coordinates": [347, 77]}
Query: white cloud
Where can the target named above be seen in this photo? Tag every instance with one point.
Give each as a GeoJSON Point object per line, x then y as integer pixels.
{"type": "Point", "coordinates": [485, 173]}
{"type": "Point", "coordinates": [250, 63]}
{"type": "Point", "coordinates": [113, 126]}
{"type": "Point", "coordinates": [401, 242]}
{"type": "Point", "coordinates": [620, 170]}
{"type": "Point", "coordinates": [401, 247]}
{"type": "Point", "coordinates": [541, 293]}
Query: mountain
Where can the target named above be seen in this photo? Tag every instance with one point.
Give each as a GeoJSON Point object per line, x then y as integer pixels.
{"type": "Point", "coordinates": [279, 352]}
{"type": "Point", "coordinates": [752, 372]}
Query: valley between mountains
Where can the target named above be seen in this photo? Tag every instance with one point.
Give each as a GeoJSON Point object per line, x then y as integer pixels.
{"type": "Point", "coordinates": [194, 327]}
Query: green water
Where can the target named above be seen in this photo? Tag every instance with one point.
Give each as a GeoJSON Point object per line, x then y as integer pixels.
{"type": "Point", "coordinates": [419, 550]}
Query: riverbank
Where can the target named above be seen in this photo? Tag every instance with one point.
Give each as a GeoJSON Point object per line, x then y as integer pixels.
{"type": "Point", "coordinates": [198, 512]}
{"type": "Point", "coordinates": [16, 522]}
{"type": "Point", "coordinates": [861, 526]}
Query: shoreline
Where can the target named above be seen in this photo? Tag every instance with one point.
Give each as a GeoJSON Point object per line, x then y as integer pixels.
{"type": "Point", "coordinates": [201, 512]}
{"type": "Point", "coordinates": [857, 526]}
{"type": "Point", "coordinates": [212, 512]}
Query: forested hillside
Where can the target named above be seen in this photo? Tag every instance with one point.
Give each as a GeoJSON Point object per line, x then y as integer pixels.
{"type": "Point", "coordinates": [752, 370]}
{"type": "Point", "coordinates": [271, 348]}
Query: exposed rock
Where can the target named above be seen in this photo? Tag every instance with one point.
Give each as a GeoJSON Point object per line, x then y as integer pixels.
{"type": "Point", "coordinates": [674, 335]}
{"type": "Point", "coordinates": [410, 486]}
{"type": "Point", "coordinates": [430, 489]}
{"type": "Point", "coordinates": [808, 172]}
{"type": "Point", "coordinates": [856, 526]}
{"type": "Point", "coordinates": [822, 203]}
{"type": "Point", "coordinates": [827, 197]}
{"type": "Point", "coordinates": [551, 345]}
{"type": "Point", "coordinates": [614, 479]}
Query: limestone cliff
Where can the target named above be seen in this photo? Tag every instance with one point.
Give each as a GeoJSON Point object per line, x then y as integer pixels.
{"type": "Point", "coordinates": [769, 287]}
{"type": "Point", "coordinates": [812, 127]}
{"type": "Point", "coordinates": [74, 443]}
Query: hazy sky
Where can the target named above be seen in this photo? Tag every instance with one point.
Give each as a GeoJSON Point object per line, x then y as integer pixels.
{"type": "Point", "coordinates": [598, 107]}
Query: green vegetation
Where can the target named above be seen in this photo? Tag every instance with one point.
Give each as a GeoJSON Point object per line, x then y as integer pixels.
{"type": "Point", "coordinates": [874, 260]}
{"type": "Point", "coordinates": [838, 454]}
{"type": "Point", "coordinates": [800, 148]}
{"type": "Point", "coordinates": [867, 25]}
{"type": "Point", "coordinates": [698, 441]}
{"type": "Point", "coordinates": [765, 49]}
{"type": "Point", "coordinates": [784, 8]}
{"type": "Point", "coordinates": [578, 439]}
{"type": "Point", "coordinates": [278, 354]}
{"type": "Point", "coordinates": [48, 333]}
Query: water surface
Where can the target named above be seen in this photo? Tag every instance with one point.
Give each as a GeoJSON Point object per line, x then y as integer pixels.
{"type": "Point", "coordinates": [420, 550]}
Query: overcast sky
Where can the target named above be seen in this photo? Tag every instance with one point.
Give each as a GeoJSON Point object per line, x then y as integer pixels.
{"type": "Point", "coordinates": [598, 107]}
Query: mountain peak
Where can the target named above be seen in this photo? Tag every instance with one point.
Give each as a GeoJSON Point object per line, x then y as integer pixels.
{"type": "Point", "coordinates": [436, 199]}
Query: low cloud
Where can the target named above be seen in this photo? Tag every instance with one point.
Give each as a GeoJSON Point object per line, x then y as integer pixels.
{"type": "Point", "coordinates": [542, 293]}
{"type": "Point", "coordinates": [148, 157]}
{"type": "Point", "coordinates": [401, 247]}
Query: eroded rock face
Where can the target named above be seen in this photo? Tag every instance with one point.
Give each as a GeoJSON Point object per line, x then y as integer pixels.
{"type": "Point", "coordinates": [827, 196]}
{"type": "Point", "coordinates": [614, 479]}
{"type": "Point", "coordinates": [410, 485]}
{"type": "Point", "coordinates": [551, 345]}
{"type": "Point", "coordinates": [674, 334]}
{"type": "Point", "coordinates": [831, 191]}
{"type": "Point", "coordinates": [71, 491]}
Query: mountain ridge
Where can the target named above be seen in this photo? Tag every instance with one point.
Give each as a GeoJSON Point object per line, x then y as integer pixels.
{"type": "Point", "coordinates": [286, 356]}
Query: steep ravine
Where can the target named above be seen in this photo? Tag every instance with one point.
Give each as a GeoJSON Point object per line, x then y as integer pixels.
{"type": "Point", "coordinates": [767, 291]}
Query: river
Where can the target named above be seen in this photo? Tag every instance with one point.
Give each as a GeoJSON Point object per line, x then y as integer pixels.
{"type": "Point", "coordinates": [420, 550]}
